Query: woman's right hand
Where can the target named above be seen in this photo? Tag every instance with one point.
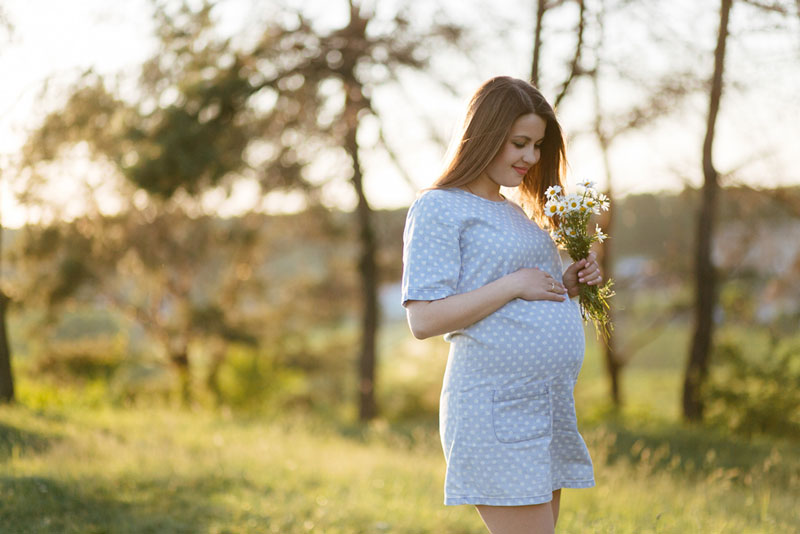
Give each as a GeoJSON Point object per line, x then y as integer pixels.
{"type": "Point", "coordinates": [531, 283]}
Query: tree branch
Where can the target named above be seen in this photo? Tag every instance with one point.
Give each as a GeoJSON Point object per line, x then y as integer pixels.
{"type": "Point", "coordinates": [541, 7]}
{"type": "Point", "coordinates": [775, 7]}
{"type": "Point", "coordinates": [574, 69]}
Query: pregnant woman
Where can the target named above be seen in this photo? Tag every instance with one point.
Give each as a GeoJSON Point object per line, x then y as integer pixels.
{"type": "Point", "coordinates": [481, 270]}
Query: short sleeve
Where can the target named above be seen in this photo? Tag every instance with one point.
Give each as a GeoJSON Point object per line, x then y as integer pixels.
{"type": "Point", "coordinates": [431, 251]}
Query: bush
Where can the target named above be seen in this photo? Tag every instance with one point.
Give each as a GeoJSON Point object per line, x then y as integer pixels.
{"type": "Point", "coordinates": [78, 361]}
{"type": "Point", "coordinates": [757, 393]}
{"type": "Point", "coordinates": [314, 370]}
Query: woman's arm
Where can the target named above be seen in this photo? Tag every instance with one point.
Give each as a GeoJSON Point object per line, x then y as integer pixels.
{"type": "Point", "coordinates": [428, 318]}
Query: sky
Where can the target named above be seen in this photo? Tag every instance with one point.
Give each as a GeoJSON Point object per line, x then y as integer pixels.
{"type": "Point", "coordinates": [55, 40]}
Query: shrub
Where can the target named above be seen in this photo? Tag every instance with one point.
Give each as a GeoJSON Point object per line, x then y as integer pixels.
{"type": "Point", "coordinates": [78, 361]}
{"type": "Point", "coordinates": [757, 393]}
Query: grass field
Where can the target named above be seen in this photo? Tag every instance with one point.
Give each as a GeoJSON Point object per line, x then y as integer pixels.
{"type": "Point", "coordinates": [162, 471]}
{"type": "Point", "coordinates": [70, 463]}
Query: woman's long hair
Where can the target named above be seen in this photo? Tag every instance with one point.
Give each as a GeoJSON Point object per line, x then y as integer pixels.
{"type": "Point", "coordinates": [491, 112]}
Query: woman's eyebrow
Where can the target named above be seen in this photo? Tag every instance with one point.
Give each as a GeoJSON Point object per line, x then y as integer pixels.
{"type": "Point", "coordinates": [525, 137]}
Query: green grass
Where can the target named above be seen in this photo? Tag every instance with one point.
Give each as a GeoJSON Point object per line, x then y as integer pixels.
{"type": "Point", "coordinates": [163, 471]}
{"type": "Point", "coordinates": [70, 463]}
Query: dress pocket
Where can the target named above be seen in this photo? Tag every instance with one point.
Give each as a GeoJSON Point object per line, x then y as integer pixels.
{"type": "Point", "coordinates": [522, 413]}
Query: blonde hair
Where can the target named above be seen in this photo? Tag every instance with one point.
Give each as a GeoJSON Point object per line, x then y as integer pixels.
{"type": "Point", "coordinates": [491, 112]}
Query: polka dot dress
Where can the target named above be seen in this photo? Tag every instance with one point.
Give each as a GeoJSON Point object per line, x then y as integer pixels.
{"type": "Point", "coordinates": [507, 414]}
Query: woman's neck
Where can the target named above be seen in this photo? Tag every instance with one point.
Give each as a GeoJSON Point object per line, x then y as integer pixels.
{"type": "Point", "coordinates": [485, 188]}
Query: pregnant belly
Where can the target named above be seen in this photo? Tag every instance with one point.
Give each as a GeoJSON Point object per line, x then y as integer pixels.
{"type": "Point", "coordinates": [542, 317]}
{"type": "Point", "coordinates": [541, 338]}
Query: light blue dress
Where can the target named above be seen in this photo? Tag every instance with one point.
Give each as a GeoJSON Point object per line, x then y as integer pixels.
{"type": "Point", "coordinates": [507, 413]}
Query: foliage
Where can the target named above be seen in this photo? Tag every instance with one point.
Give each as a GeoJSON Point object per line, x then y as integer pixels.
{"type": "Point", "coordinates": [270, 287]}
{"type": "Point", "coordinates": [206, 112]}
{"type": "Point", "coordinates": [306, 370]}
{"type": "Point", "coordinates": [210, 108]}
{"type": "Point", "coordinates": [81, 360]}
{"type": "Point", "coordinates": [756, 393]}
{"type": "Point", "coordinates": [161, 270]}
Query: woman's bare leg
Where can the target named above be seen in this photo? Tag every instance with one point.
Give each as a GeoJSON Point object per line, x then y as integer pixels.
{"type": "Point", "coordinates": [556, 504]}
{"type": "Point", "coordinates": [532, 519]}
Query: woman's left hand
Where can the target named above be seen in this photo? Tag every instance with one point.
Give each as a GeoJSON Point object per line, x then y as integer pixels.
{"type": "Point", "coordinates": [585, 271]}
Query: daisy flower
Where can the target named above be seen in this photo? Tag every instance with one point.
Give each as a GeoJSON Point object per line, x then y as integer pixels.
{"type": "Point", "coordinates": [573, 203]}
{"type": "Point", "coordinates": [551, 207]}
{"type": "Point", "coordinates": [553, 191]}
{"type": "Point", "coordinates": [599, 233]}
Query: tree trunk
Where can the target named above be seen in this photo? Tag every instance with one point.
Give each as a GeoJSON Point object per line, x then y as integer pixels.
{"type": "Point", "coordinates": [612, 358]}
{"type": "Point", "coordinates": [369, 323]}
{"type": "Point", "coordinates": [6, 375]}
{"type": "Point", "coordinates": [218, 351]}
{"type": "Point", "coordinates": [367, 408]}
{"type": "Point", "coordinates": [181, 363]}
{"type": "Point", "coordinates": [613, 361]}
{"type": "Point", "coordinates": [705, 277]}
{"type": "Point", "coordinates": [355, 103]}
{"type": "Point", "coordinates": [541, 7]}
{"type": "Point", "coordinates": [179, 359]}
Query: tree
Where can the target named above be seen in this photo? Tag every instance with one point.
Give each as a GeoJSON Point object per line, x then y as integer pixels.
{"type": "Point", "coordinates": [346, 56]}
{"type": "Point", "coordinates": [160, 271]}
{"type": "Point", "coordinates": [574, 68]}
{"type": "Point", "coordinates": [705, 277]}
{"type": "Point", "coordinates": [355, 103]}
{"type": "Point", "coordinates": [594, 58]}
{"type": "Point", "coordinates": [268, 109]}
{"type": "Point", "coordinates": [174, 152]}
{"type": "Point", "coordinates": [6, 375]}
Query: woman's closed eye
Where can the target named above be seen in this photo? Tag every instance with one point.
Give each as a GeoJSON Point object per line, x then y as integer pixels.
{"type": "Point", "coordinates": [523, 144]}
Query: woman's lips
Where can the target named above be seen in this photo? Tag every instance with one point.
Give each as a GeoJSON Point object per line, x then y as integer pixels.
{"type": "Point", "coordinates": [522, 171]}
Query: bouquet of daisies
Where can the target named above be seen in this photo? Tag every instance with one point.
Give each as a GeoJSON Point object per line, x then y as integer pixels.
{"type": "Point", "coordinates": [573, 212]}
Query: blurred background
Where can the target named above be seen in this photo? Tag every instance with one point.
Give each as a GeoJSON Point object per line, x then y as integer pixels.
{"type": "Point", "coordinates": [202, 208]}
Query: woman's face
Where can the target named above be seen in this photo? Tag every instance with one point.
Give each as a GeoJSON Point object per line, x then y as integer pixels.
{"type": "Point", "coordinates": [520, 151]}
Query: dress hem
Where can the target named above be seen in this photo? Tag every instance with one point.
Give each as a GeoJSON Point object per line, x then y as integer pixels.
{"type": "Point", "coordinates": [519, 501]}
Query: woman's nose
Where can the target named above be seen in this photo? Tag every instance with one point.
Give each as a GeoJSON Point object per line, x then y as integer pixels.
{"type": "Point", "coordinates": [530, 156]}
